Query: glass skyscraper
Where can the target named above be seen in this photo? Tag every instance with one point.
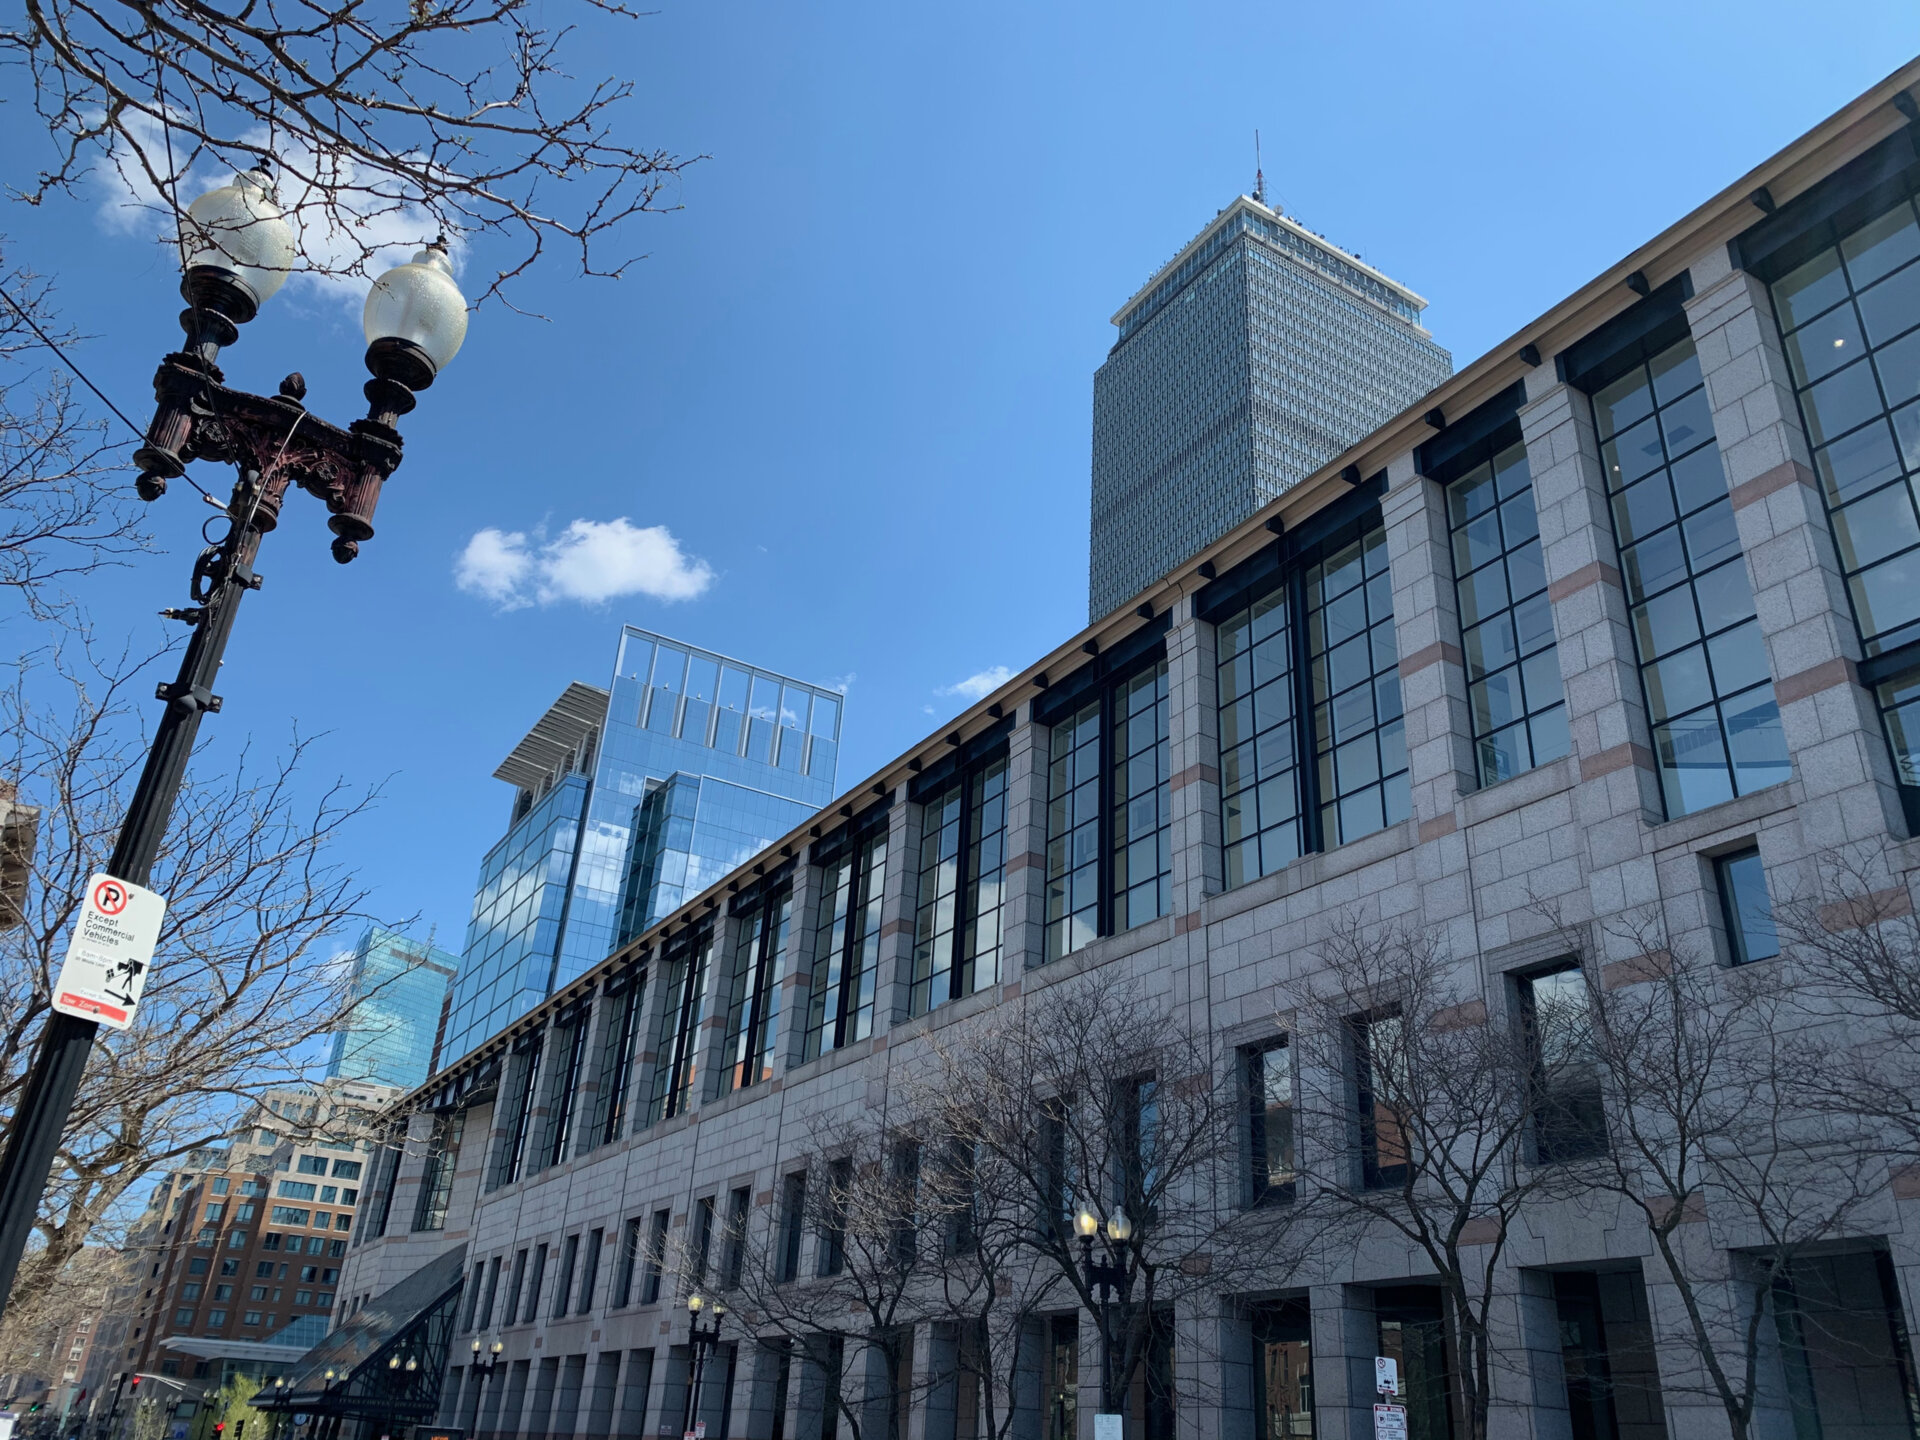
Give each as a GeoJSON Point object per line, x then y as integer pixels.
{"type": "Point", "coordinates": [399, 1000]}
{"type": "Point", "coordinates": [1248, 361]}
{"type": "Point", "coordinates": [626, 800]}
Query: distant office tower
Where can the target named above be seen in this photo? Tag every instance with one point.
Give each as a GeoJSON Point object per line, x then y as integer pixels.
{"type": "Point", "coordinates": [1248, 361]}
{"type": "Point", "coordinates": [400, 1001]}
{"type": "Point", "coordinates": [626, 800]}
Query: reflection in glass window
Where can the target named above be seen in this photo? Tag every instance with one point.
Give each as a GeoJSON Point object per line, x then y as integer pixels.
{"type": "Point", "coordinates": [846, 946]}
{"type": "Point", "coordinates": [688, 957]}
{"type": "Point", "coordinates": [1850, 319]}
{"type": "Point", "coordinates": [1073, 831]}
{"type": "Point", "coordinates": [1557, 1025]}
{"type": "Point", "coordinates": [1142, 804]}
{"type": "Point", "coordinates": [762, 712]}
{"type": "Point", "coordinates": [1259, 789]}
{"type": "Point", "coordinates": [1746, 908]}
{"type": "Point", "coordinates": [1359, 739]}
{"type": "Point", "coordinates": [1514, 696]}
{"type": "Point", "coordinates": [1716, 728]}
{"type": "Point", "coordinates": [703, 677]}
{"type": "Point", "coordinates": [663, 695]}
{"type": "Point", "coordinates": [729, 729]}
{"type": "Point", "coordinates": [753, 992]}
{"type": "Point", "coordinates": [1109, 843]}
{"type": "Point", "coordinates": [956, 948]}
{"type": "Point", "coordinates": [825, 730]}
{"type": "Point", "coordinates": [1269, 1082]}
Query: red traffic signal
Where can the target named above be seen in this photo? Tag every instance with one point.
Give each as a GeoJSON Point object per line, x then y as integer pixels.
{"type": "Point", "coordinates": [218, 1426]}
{"type": "Point", "coordinates": [136, 1383]}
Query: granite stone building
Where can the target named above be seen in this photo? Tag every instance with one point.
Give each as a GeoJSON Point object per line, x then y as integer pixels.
{"type": "Point", "coordinates": [1617, 620]}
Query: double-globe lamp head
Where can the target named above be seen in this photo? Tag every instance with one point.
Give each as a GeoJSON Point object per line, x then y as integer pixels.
{"type": "Point", "coordinates": [237, 244]}
{"type": "Point", "coordinates": [1119, 1228]}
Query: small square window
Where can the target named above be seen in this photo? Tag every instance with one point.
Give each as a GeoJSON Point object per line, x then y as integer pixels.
{"type": "Point", "coordinates": [1745, 907]}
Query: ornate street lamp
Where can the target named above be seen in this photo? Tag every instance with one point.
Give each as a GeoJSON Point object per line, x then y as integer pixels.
{"type": "Point", "coordinates": [1110, 1276]}
{"type": "Point", "coordinates": [237, 250]}
{"type": "Point", "coordinates": [700, 1343]}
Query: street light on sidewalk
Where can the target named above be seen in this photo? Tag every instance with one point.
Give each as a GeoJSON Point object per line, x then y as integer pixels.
{"type": "Point", "coordinates": [700, 1343]}
{"type": "Point", "coordinates": [1110, 1276]}
{"type": "Point", "coordinates": [237, 250]}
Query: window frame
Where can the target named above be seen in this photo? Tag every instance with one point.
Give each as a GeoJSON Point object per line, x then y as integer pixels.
{"type": "Point", "coordinates": [625, 1015]}
{"type": "Point", "coordinates": [751, 1038]}
{"type": "Point", "coordinates": [1739, 945]}
{"type": "Point", "coordinates": [1099, 701]}
{"type": "Point", "coordinates": [1367, 1105]}
{"type": "Point", "coordinates": [687, 960]}
{"type": "Point", "coordinates": [843, 975]}
{"type": "Point", "coordinates": [954, 955]}
{"type": "Point", "coordinates": [1262, 1189]}
{"type": "Point", "coordinates": [1583, 1139]}
{"type": "Point", "coordinates": [1288, 569]}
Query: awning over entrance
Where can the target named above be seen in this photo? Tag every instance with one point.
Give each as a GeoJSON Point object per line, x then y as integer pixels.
{"type": "Point", "coordinates": [388, 1361]}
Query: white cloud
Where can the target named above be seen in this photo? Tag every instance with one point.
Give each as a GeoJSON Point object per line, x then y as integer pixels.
{"type": "Point", "coordinates": [590, 562]}
{"type": "Point", "coordinates": [980, 683]}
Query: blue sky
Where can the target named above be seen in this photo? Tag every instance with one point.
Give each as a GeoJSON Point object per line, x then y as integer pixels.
{"type": "Point", "coordinates": [853, 376]}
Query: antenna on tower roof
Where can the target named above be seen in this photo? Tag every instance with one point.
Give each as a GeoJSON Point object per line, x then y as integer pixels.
{"type": "Point", "coordinates": [1259, 176]}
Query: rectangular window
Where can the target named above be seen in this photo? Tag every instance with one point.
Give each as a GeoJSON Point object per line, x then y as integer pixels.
{"type": "Point", "coordinates": [569, 1055]}
{"type": "Point", "coordinates": [1703, 665]}
{"type": "Point", "coordinates": [287, 1215]}
{"type": "Point", "coordinates": [617, 1055]}
{"type": "Point", "coordinates": [687, 959]}
{"type": "Point", "coordinates": [563, 1286]}
{"type": "Point", "coordinates": [535, 1283]}
{"type": "Point", "coordinates": [700, 1245]}
{"type": "Point", "coordinates": [1137, 1184]}
{"type": "Point", "coordinates": [1317, 641]}
{"type": "Point", "coordinates": [1379, 1060]}
{"type": "Point", "coordinates": [219, 1186]}
{"type": "Point", "coordinates": [516, 1284]}
{"type": "Point", "coordinates": [903, 1203]}
{"type": "Point", "coordinates": [733, 1250]}
{"type": "Point", "coordinates": [590, 1270]}
{"type": "Point", "coordinates": [1745, 908]}
{"type": "Point", "coordinates": [656, 1258]}
{"type": "Point", "coordinates": [833, 1229]}
{"type": "Point", "coordinates": [436, 1182]}
{"type": "Point", "coordinates": [753, 991]}
{"type": "Point", "coordinates": [523, 1076]}
{"type": "Point", "coordinates": [183, 1319]}
{"type": "Point", "coordinates": [1359, 739]}
{"type": "Point", "coordinates": [962, 854]}
{"type": "Point", "coordinates": [493, 1287]}
{"type": "Point", "coordinates": [846, 946]}
{"type": "Point", "coordinates": [1848, 317]}
{"type": "Point", "coordinates": [630, 1240]}
{"type": "Point", "coordinates": [1282, 1371]}
{"type": "Point", "coordinates": [293, 1190]}
{"type": "Point", "coordinates": [1514, 695]}
{"type": "Point", "coordinates": [244, 1211]}
{"type": "Point", "coordinates": [1269, 1082]}
{"type": "Point", "coordinates": [346, 1169]}
{"type": "Point", "coordinates": [190, 1291]}
{"type": "Point", "coordinates": [1109, 838]}
{"type": "Point", "coordinates": [1556, 1022]}
{"type": "Point", "coordinates": [793, 1220]}
{"type": "Point", "coordinates": [218, 1208]}
{"type": "Point", "coordinates": [312, 1165]}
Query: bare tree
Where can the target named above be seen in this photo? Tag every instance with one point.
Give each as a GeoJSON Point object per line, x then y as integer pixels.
{"type": "Point", "coordinates": [240, 988]}
{"type": "Point", "coordinates": [1716, 1149]}
{"type": "Point", "coordinates": [57, 521]}
{"type": "Point", "coordinates": [849, 1316]}
{"type": "Point", "coordinates": [1425, 1115]}
{"type": "Point", "coordinates": [1094, 1096]}
{"type": "Point", "coordinates": [389, 120]}
{"type": "Point", "coordinates": [33, 1334]}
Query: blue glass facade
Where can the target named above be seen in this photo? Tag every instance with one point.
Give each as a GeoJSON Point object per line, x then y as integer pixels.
{"type": "Point", "coordinates": [1249, 361]}
{"type": "Point", "coordinates": [687, 766]}
{"type": "Point", "coordinates": [399, 993]}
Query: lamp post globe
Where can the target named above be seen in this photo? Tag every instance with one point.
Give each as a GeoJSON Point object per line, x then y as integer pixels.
{"type": "Point", "coordinates": [236, 239]}
{"type": "Point", "coordinates": [415, 319]}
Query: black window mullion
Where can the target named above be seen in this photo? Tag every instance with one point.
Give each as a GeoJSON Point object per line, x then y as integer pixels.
{"type": "Point", "coordinates": [1104, 867]}
{"type": "Point", "coordinates": [963, 856]}
{"type": "Point", "coordinates": [1306, 763]}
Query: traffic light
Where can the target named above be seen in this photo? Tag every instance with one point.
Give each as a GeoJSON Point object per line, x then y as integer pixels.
{"type": "Point", "coordinates": [136, 1383]}
{"type": "Point", "coordinates": [219, 1427]}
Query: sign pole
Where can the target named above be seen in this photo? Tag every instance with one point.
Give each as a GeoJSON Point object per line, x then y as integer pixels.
{"type": "Point", "coordinates": [41, 1115]}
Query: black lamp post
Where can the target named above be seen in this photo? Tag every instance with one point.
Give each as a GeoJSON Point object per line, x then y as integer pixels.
{"type": "Point", "coordinates": [238, 249]}
{"type": "Point", "coordinates": [1111, 1276]}
{"type": "Point", "coordinates": [700, 1343]}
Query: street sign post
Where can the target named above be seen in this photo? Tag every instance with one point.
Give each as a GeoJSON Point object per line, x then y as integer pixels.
{"type": "Point", "coordinates": [1389, 1422]}
{"type": "Point", "coordinates": [1386, 1375]}
{"type": "Point", "coordinates": [110, 952]}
